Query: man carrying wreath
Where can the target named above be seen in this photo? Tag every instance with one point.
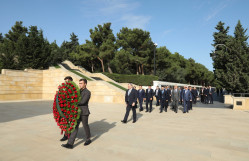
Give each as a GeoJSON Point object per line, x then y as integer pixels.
{"type": "Point", "coordinates": [83, 105]}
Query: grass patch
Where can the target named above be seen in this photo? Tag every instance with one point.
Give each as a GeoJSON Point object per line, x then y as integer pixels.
{"type": "Point", "coordinates": [117, 85]}
{"type": "Point", "coordinates": [82, 76]}
{"type": "Point", "coordinates": [143, 80]}
{"type": "Point", "coordinates": [57, 66]}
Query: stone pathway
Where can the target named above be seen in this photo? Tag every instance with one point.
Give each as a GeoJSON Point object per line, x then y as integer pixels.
{"type": "Point", "coordinates": [209, 132]}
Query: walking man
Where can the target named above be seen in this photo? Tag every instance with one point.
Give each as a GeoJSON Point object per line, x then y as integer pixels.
{"type": "Point", "coordinates": [131, 100]}
{"type": "Point", "coordinates": [83, 105]}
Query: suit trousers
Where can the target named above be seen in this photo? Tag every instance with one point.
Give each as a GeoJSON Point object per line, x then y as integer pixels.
{"type": "Point", "coordinates": [157, 100]}
{"type": "Point", "coordinates": [175, 105]}
{"type": "Point", "coordinates": [206, 99]}
{"type": "Point", "coordinates": [84, 120]}
{"type": "Point", "coordinates": [147, 102]}
{"type": "Point", "coordinates": [128, 109]}
{"type": "Point", "coordinates": [186, 105]}
{"type": "Point", "coordinates": [210, 98]}
{"type": "Point", "coordinates": [162, 105]}
{"type": "Point", "coordinates": [202, 98]}
{"type": "Point", "coordinates": [141, 104]}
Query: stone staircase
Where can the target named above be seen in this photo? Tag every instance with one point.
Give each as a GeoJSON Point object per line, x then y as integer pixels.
{"type": "Point", "coordinates": [101, 90]}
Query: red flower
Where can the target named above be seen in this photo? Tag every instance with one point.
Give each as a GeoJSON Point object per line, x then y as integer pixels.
{"type": "Point", "coordinates": [72, 124]}
{"type": "Point", "coordinates": [68, 96]}
{"type": "Point", "coordinates": [68, 112]}
{"type": "Point", "coordinates": [74, 88]}
{"type": "Point", "coordinates": [68, 106]}
{"type": "Point", "coordinates": [73, 107]}
{"type": "Point", "coordinates": [72, 101]}
{"type": "Point", "coordinates": [70, 119]}
{"type": "Point", "coordinates": [63, 84]}
{"type": "Point", "coordinates": [76, 108]}
{"type": "Point", "coordinates": [72, 97]}
{"type": "Point", "coordinates": [71, 116]}
{"type": "Point", "coordinates": [73, 120]}
{"type": "Point", "coordinates": [75, 91]}
{"type": "Point", "coordinates": [76, 100]}
{"type": "Point", "coordinates": [75, 116]}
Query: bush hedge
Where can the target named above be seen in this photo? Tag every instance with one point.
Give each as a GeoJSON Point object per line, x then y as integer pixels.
{"type": "Point", "coordinates": [144, 80]}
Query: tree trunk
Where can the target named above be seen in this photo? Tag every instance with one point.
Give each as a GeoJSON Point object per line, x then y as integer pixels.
{"type": "Point", "coordinates": [139, 69]}
{"type": "Point", "coordinates": [142, 66]}
{"type": "Point", "coordinates": [109, 69]}
{"type": "Point", "coordinates": [102, 64]}
{"type": "Point", "coordinates": [92, 67]}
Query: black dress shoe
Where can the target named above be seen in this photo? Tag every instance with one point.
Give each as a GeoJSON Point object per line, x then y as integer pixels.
{"type": "Point", "coordinates": [123, 121]}
{"type": "Point", "coordinates": [146, 111]}
{"type": "Point", "coordinates": [150, 111]}
{"type": "Point", "coordinates": [68, 146]}
{"type": "Point", "coordinates": [64, 138]}
{"type": "Point", "coordinates": [184, 112]}
{"type": "Point", "coordinates": [160, 111]}
{"type": "Point", "coordinates": [87, 142]}
{"type": "Point", "coordinates": [133, 121]}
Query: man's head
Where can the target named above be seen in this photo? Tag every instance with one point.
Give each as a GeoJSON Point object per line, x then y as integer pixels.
{"type": "Point", "coordinates": [157, 87]}
{"type": "Point", "coordinates": [149, 87]}
{"type": "Point", "coordinates": [175, 87]}
{"type": "Point", "coordinates": [167, 87]}
{"type": "Point", "coordinates": [185, 87]}
{"type": "Point", "coordinates": [140, 87]}
{"type": "Point", "coordinates": [189, 87]}
{"type": "Point", "coordinates": [68, 78]}
{"type": "Point", "coordinates": [162, 87]}
{"type": "Point", "coordinates": [82, 83]}
{"type": "Point", "coordinates": [135, 87]}
{"type": "Point", "coordinates": [194, 87]}
{"type": "Point", "coordinates": [129, 85]}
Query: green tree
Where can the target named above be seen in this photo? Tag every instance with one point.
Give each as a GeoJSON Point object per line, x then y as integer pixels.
{"type": "Point", "coordinates": [138, 43]}
{"type": "Point", "coordinates": [231, 59]}
{"type": "Point", "coordinates": [103, 44]}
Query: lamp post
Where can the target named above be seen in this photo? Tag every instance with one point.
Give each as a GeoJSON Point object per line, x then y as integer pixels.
{"type": "Point", "coordinates": [155, 45]}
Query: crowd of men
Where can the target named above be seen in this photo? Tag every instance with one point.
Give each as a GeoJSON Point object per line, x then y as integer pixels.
{"type": "Point", "coordinates": [185, 96]}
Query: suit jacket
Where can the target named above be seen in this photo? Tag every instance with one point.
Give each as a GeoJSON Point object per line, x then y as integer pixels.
{"type": "Point", "coordinates": [163, 94]}
{"type": "Point", "coordinates": [186, 96]}
{"type": "Point", "coordinates": [157, 92]}
{"type": "Point", "coordinates": [175, 95]}
{"type": "Point", "coordinates": [149, 95]}
{"type": "Point", "coordinates": [201, 91]}
{"type": "Point", "coordinates": [141, 94]}
{"type": "Point", "coordinates": [205, 91]}
{"type": "Point", "coordinates": [83, 103]}
{"type": "Point", "coordinates": [132, 98]}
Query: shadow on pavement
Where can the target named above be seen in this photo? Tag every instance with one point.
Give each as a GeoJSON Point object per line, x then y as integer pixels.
{"type": "Point", "coordinates": [18, 110]}
{"type": "Point", "coordinates": [97, 129]}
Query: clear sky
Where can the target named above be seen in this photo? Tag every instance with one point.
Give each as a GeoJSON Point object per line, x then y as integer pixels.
{"type": "Point", "coordinates": [184, 26]}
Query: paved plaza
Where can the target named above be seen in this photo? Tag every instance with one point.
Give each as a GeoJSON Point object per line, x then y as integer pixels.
{"type": "Point", "coordinates": [209, 132]}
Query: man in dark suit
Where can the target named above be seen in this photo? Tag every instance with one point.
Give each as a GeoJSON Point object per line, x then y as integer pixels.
{"type": "Point", "coordinates": [202, 94]}
{"type": "Point", "coordinates": [190, 102]}
{"type": "Point", "coordinates": [157, 91]}
{"type": "Point", "coordinates": [187, 97]}
{"type": "Point", "coordinates": [149, 98]}
{"type": "Point", "coordinates": [181, 90]}
{"type": "Point", "coordinates": [194, 94]}
{"type": "Point", "coordinates": [83, 105]}
{"type": "Point", "coordinates": [210, 94]}
{"type": "Point", "coordinates": [205, 95]}
{"type": "Point", "coordinates": [131, 101]}
{"type": "Point", "coordinates": [162, 96]}
{"type": "Point", "coordinates": [141, 97]}
{"type": "Point", "coordinates": [175, 98]}
{"type": "Point", "coordinates": [168, 97]}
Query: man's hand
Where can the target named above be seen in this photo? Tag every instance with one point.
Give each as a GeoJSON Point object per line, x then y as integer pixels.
{"type": "Point", "coordinates": [133, 104]}
{"type": "Point", "coordinates": [150, 98]}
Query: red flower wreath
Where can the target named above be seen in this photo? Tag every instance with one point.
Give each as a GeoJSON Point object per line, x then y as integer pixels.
{"type": "Point", "coordinates": [65, 107]}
